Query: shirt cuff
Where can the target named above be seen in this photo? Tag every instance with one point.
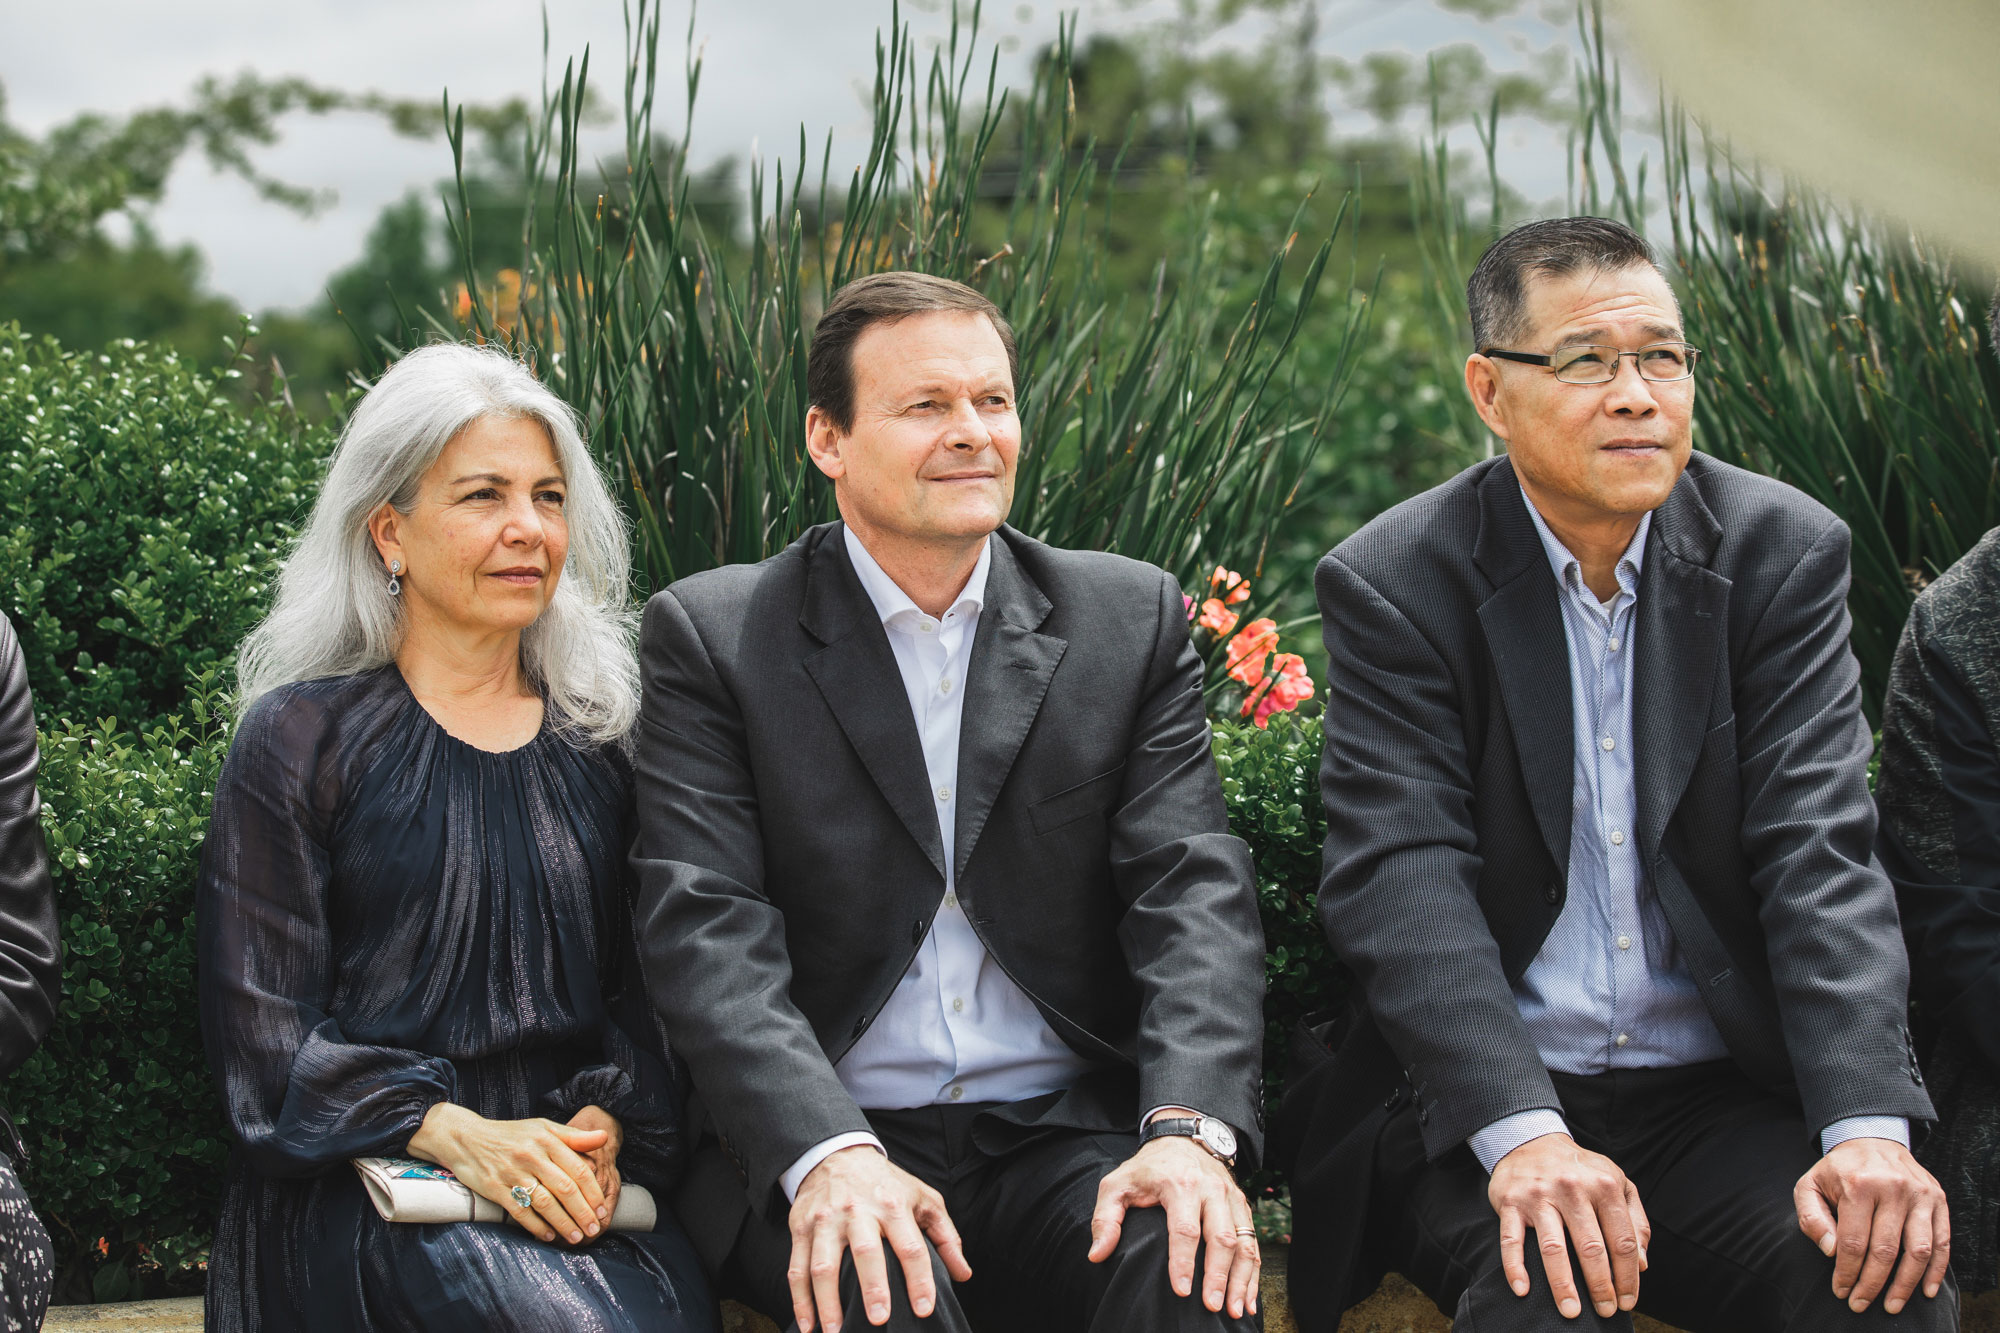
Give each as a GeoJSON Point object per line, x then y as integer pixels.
{"type": "Point", "coordinates": [818, 1153]}
{"type": "Point", "coordinates": [1504, 1135]}
{"type": "Point", "coordinates": [1891, 1127]}
{"type": "Point", "coordinates": [1147, 1118]}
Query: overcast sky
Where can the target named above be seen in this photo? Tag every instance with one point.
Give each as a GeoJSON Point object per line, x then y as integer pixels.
{"type": "Point", "coordinates": [771, 65]}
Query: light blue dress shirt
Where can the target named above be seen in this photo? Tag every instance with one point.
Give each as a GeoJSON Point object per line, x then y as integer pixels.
{"type": "Point", "coordinates": [1608, 988]}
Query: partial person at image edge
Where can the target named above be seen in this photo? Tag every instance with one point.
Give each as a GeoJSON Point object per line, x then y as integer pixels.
{"type": "Point", "coordinates": [30, 981]}
{"type": "Point", "coordinates": [1939, 793]}
{"type": "Point", "coordinates": [1599, 855]}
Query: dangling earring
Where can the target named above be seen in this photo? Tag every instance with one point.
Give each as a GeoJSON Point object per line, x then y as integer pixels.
{"type": "Point", "coordinates": [395, 584]}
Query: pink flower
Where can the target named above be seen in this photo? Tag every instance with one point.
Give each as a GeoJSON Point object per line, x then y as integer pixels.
{"type": "Point", "coordinates": [1288, 687]}
{"type": "Point", "coordinates": [1236, 586]}
{"type": "Point", "coordinates": [1216, 618]}
{"type": "Point", "coordinates": [1245, 657]}
{"type": "Point", "coordinates": [1187, 604]}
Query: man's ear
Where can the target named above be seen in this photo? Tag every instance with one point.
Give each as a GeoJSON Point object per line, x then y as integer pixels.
{"type": "Point", "coordinates": [823, 442]}
{"type": "Point", "coordinates": [1482, 385]}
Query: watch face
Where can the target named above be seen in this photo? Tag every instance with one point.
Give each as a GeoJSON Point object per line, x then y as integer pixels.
{"type": "Point", "coordinates": [1220, 1139]}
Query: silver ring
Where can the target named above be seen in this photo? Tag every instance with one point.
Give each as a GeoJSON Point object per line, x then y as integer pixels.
{"type": "Point", "coordinates": [523, 1195]}
{"type": "Point", "coordinates": [1247, 1231]}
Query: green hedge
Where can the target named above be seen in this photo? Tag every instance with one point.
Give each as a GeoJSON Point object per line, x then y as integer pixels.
{"type": "Point", "coordinates": [144, 509]}
{"type": "Point", "coordinates": [125, 1136]}
{"type": "Point", "coordinates": [143, 512]}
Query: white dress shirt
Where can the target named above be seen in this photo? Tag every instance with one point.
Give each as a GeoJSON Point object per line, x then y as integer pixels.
{"type": "Point", "coordinates": [956, 1028]}
{"type": "Point", "coordinates": [1608, 988]}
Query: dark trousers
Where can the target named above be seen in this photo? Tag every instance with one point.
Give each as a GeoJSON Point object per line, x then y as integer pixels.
{"type": "Point", "coordinates": [1024, 1216]}
{"type": "Point", "coordinates": [1714, 1158]}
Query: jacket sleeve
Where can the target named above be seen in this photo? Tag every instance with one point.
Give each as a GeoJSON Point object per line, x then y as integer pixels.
{"type": "Point", "coordinates": [1939, 795]}
{"type": "Point", "coordinates": [1398, 889]}
{"type": "Point", "coordinates": [635, 1082]}
{"type": "Point", "coordinates": [1190, 932]}
{"type": "Point", "coordinates": [300, 1097]}
{"type": "Point", "coordinates": [30, 958]}
{"type": "Point", "coordinates": [711, 943]}
{"type": "Point", "coordinates": [1840, 976]}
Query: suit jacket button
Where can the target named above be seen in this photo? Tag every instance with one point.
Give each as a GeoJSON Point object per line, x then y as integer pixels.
{"type": "Point", "coordinates": [1423, 1115]}
{"type": "Point", "coordinates": [859, 1024]}
{"type": "Point", "coordinates": [1552, 893]}
{"type": "Point", "coordinates": [916, 932]}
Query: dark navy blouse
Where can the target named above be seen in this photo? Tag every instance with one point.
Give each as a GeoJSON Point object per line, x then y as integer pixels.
{"type": "Point", "coordinates": [389, 918]}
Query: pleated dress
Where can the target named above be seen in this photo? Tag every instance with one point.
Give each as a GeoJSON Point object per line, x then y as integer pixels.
{"type": "Point", "coordinates": [388, 918]}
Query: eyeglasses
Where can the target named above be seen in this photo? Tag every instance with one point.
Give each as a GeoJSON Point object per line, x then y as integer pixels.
{"type": "Point", "coordinates": [1585, 363]}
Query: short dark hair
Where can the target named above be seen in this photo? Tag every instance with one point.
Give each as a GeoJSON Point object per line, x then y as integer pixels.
{"type": "Point", "coordinates": [1496, 294]}
{"type": "Point", "coordinates": [885, 298]}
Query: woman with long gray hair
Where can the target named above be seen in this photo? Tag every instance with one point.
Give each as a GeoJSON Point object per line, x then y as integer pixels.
{"type": "Point", "coordinates": [414, 934]}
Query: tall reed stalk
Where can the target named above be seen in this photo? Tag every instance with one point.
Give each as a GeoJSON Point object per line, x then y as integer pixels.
{"type": "Point", "coordinates": [1158, 423]}
{"type": "Point", "coordinates": [1843, 354]}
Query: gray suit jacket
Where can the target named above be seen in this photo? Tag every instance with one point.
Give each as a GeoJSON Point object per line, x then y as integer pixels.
{"type": "Point", "coordinates": [789, 861]}
{"type": "Point", "coordinates": [1447, 780]}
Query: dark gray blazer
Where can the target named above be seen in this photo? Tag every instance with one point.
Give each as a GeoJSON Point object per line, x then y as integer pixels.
{"type": "Point", "coordinates": [1447, 781]}
{"type": "Point", "coordinates": [789, 861]}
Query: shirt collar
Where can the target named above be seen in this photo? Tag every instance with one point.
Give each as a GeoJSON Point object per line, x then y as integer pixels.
{"type": "Point", "coordinates": [891, 601]}
{"type": "Point", "coordinates": [1569, 571]}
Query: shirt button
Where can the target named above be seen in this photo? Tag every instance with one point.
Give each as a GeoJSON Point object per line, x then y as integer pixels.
{"type": "Point", "coordinates": [951, 900]}
{"type": "Point", "coordinates": [1622, 1039]}
{"type": "Point", "coordinates": [944, 793]}
{"type": "Point", "coordinates": [928, 626]}
{"type": "Point", "coordinates": [958, 1006]}
{"type": "Point", "coordinates": [944, 686]}
{"type": "Point", "coordinates": [1609, 744]}
{"type": "Point", "coordinates": [1617, 838]}
{"type": "Point", "coordinates": [1613, 645]}
{"type": "Point", "coordinates": [1624, 941]}
{"type": "Point", "coordinates": [957, 1092]}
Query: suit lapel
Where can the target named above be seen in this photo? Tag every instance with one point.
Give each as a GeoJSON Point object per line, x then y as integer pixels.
{"type": "Point", "coordinates": [1683, 607]}
{"type": "Point", "coordinates": [1524, 632]}
{"type": "Point", "coordinates": [857, 675]}
{"type": "Point", "coordinates": [1006, 682]}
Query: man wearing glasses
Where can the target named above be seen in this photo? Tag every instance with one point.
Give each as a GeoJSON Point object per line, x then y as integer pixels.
{"type": "Point", "coordinates": [1628, 1026]}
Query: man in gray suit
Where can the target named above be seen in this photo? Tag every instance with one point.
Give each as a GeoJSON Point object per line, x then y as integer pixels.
{"type": "Point", "coordinates": [937, 898]}
{"type": "Point", "coordinates": [1598, 854]}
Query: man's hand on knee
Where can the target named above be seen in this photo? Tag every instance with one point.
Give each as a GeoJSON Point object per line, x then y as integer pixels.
{"type": "Point", "coordinates": [1202, 1204]}
{"type": "Point", "coordinates": [1552, 1185]}
{"type": "Point", "coordinates": [859, 1201]}
{"type": "Point", "coordinates": [1863, 1204]}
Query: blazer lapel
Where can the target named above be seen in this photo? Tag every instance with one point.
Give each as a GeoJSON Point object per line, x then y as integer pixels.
{"type": "Point", "coordinates": [1683, 607]}
{"type": "Point", "coordinates": [1006, 682]}
{"type": "Point", "coordinates": [857, 675]}
{"type": "Point", "coordinates": [1524, 632]}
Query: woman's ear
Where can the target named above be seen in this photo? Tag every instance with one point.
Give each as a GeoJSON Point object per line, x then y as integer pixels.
{"type": "Point", "coordinates": [382, 526]}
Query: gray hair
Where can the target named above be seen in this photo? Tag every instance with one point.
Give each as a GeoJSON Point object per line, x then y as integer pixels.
{"type": "Point", "coordinates": [1496, 296]}
{"type": "Point", "coordinates": [333, 615]}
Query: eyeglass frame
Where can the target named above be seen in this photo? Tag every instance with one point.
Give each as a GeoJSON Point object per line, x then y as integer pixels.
{"type": "Point", "coordinates": [1548, 362]}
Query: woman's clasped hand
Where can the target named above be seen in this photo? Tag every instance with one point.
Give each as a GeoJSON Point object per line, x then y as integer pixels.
{"type": "Point", "coordinates": [569, 1172]}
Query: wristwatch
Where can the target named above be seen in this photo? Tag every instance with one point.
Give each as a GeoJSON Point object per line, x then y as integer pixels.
{"type": "Point", "coordinates": [1218, 1138]}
